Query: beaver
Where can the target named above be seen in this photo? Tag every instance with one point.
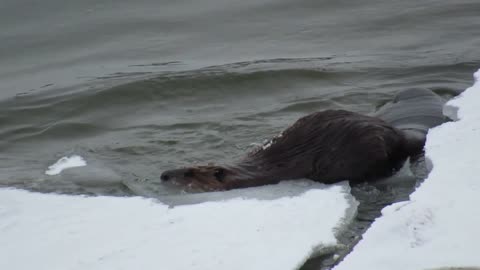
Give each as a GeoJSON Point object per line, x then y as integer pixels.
{"type": "Point", "coordinates": [328, 146]}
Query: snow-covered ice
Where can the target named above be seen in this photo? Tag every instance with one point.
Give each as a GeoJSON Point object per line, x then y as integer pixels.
{"type": "Point", "coordinates": [65, 163]}
{"type": "Point", "coordinates": [437, 228]}
{"type": "Point", "coordinates": [50, 231]}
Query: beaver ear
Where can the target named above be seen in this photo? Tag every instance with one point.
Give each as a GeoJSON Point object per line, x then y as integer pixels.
{"type": "Point", "coordinates": [219, 174]}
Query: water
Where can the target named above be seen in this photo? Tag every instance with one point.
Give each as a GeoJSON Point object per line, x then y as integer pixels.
{"type": "Point", "coordinates": [137, 87]}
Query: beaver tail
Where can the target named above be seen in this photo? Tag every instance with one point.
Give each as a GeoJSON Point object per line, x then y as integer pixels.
{"type": "Point", "coordinates": [413, 109]}
{"type": "Point", "coordinates": [414, 112]}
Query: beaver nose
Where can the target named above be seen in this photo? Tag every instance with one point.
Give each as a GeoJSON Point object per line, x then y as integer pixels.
{"type": "Point", "coordinates": [165, 176]}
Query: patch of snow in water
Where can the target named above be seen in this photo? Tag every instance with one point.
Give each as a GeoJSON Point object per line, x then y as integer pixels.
{"type": "Point", "coordinates": [65, 163]}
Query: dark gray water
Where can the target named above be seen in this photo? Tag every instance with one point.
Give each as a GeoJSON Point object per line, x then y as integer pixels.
{"type": "Point", "coordinates": [137, 87]}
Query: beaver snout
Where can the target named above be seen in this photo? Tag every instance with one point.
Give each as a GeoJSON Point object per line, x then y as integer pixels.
{"type": "Point", "coordinates": [164, 176]}
{"type": "Point", "coordinates": [169, 175]}
{"type": "Point", "coordinates": [174, 174]}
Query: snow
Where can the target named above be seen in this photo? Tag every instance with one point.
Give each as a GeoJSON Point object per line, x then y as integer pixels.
{"type": "Point", "coordinates": [50, 231]}
{"type": "Point", "coordinates": [65, 163]}
{"type": "Point", "coordinates": [437, 228]}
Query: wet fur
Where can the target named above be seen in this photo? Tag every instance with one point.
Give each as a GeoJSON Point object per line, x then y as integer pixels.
{"type": "Point", "coordinates": [329, 146]}
{"type": "Point", "coordinates": [332, 146]}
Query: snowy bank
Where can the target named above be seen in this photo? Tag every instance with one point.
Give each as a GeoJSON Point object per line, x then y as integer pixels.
{"type": "Point", "coordinates": [438, 227]}
{"type": "Point", "coordinates": [49, 231]}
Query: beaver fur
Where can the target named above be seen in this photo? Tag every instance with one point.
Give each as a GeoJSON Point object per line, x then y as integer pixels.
{"type": "Point", "coordinates": [330, 146]}
{"type": "Point", "coordinates": [327, 146]}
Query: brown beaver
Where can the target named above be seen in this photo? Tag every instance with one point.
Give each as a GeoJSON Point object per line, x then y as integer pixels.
{"type": "Point", "coordinates": [327, 146]}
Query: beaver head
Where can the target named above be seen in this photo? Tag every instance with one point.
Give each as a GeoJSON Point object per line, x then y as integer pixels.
{"type": "Point", "coordinates": [205, 178]}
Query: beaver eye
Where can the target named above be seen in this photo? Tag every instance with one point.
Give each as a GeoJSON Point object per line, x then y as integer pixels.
{"type": "Point", "coordinates": [188, 173]}
{"type": "Point", "coordinates": [219, 174]}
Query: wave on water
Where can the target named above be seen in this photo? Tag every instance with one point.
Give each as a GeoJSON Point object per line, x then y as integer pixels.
{"type": "Point", "coordinates": [212, 114]}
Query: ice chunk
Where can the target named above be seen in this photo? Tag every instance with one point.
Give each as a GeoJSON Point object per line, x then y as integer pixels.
{"type": "Point", "coordinates": [76, 232]}
{"type": "Point", "coordinates": [65, 163]}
